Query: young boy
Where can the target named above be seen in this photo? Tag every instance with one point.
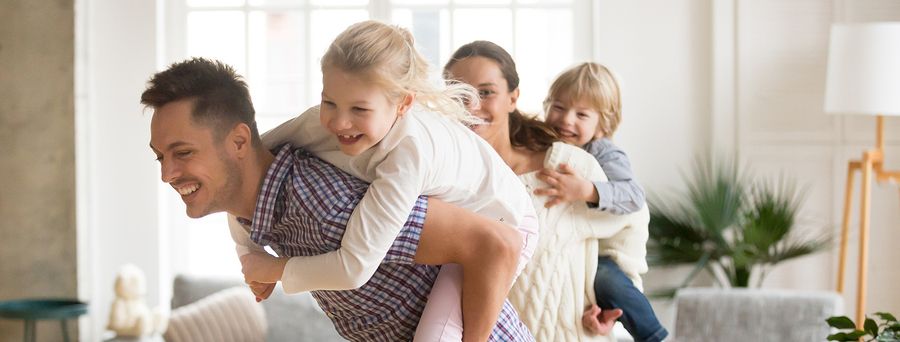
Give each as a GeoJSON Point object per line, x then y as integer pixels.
{"type": "Point", "coordinates": [584, 106]}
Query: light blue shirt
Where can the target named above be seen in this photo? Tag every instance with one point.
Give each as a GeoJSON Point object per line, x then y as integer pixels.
{"type": "Point", "coordinates": [622, 194]}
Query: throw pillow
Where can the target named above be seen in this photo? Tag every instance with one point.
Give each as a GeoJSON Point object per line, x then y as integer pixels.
{"type": "Point", "coordinates": [225, 316]}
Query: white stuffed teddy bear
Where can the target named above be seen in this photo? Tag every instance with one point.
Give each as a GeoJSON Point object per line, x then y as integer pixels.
{"type": "Point", "coordinates": [129, 315]}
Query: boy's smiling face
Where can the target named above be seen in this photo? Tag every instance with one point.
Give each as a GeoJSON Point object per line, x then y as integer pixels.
{"type": "Point", "coordinates": [577, 122]}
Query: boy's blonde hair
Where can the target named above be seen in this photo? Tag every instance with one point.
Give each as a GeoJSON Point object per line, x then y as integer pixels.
{"type": "Point", "coordinates": [596, 84]}
{"type": "Point", "coordinates": [386, 55]}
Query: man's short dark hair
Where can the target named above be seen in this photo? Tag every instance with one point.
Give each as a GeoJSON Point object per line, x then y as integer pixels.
{"type": "Point", "coordinates": [221, 98]}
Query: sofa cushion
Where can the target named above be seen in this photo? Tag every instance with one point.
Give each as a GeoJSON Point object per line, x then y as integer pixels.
{"type": "Point", "coordinates": [290, 318]}
{"type": "Point", "coordinates": [228, 315]}
{"type": "Point", "coordinates": [706, 314]}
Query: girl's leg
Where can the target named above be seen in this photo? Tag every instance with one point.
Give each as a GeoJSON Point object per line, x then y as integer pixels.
{"type": "Point", "coordinates": [442, 319]}
{"type": "Point", "coordinates": [487, 251]}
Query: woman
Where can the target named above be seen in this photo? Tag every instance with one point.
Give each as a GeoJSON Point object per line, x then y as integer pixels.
{"type": "Point", "coordinates": [557, 285]}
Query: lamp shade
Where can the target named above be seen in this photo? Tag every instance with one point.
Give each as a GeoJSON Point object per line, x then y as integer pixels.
{"type": "Point", "coordinates": [864, 69]}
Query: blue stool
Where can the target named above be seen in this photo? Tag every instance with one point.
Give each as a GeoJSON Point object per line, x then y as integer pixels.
{"type": "Point", "coordinates": [32, 310]}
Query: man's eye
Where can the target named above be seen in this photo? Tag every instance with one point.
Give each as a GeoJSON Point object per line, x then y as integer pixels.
{"type": "Point", "coordinates": [183, 153]}
{"type": "Point", "coordinates": [158, 158]}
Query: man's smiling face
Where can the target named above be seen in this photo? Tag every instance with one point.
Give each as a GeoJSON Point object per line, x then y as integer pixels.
{"type": "Point", "coordinates": [197, 166]}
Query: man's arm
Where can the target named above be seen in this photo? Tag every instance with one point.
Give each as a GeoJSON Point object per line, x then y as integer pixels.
{"type": "Point", "coordinates": [247, 249]}
{"type": "Point", "coordinates": [488, 252]}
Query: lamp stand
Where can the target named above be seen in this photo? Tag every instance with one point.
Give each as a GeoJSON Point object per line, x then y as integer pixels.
{"type": "Point", "coordinates": [872, 163]}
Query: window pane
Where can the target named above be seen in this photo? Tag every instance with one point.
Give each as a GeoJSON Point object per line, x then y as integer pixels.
{"type": "Point", "coordinates": [218, 35]}
{"type": "Point", "coordinates": [419, 2]}
{"type": "Point", "coordinates": [494, 25]}
{"type": "Point", "coordinates": [212, 249]}
{"type": "Point", "coordinates": [325, 26]}
{"type": "Point", "coordinates": [543, 49]}
{"type": "Point", "coordinates": [277, 62]}
{"type": "Point", "coordinates": [215, 3]}
{"type": "Point", "coordinates": [480, 2]}
{"type": "Point", "coordinates": [534, 2]}
{"type": "Point", "coordinates": [339, 2]}
{"type": "Point", "coordinates": [431, 28]}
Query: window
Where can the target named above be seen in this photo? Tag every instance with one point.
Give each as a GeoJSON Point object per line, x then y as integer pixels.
{"type": "Point", "coordinates": [276, 45]}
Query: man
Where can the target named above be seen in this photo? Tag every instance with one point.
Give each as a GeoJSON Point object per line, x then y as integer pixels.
{"type": "Point", "coordinates": [204, 134]}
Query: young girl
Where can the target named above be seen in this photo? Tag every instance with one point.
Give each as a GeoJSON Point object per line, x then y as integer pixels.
{"type": "Point", "coordinates": [583, 105]}
{"type": "Point", "coordinates": [381, 119]}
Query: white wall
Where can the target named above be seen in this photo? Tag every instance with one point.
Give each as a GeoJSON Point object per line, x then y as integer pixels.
{"type": "Point", "coordinates": [117, 177]}
{"type": "Point", "coordinates": [747, 78]}
{"type": "Point", "coordinates": [661, 51]}
{"type": "Point", "coordinates": [781, 52]}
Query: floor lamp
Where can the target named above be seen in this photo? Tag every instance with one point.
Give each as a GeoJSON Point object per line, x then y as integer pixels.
{"type": "Point", "coordinates": [863, 78]}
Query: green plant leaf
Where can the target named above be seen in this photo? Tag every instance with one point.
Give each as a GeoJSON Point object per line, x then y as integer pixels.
{"type": "Point", "coordinates": [886, 316]}
{"type": "Point", "coordinates": [871, 327]}
{"type": "Point", "coordinates": [840, 322]}
{"type": "Point", "coordinates": [855, 335]}
{"type": "Point", "coordinates": [846, 337]}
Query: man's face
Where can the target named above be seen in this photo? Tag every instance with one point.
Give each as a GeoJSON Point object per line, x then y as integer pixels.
{"type": "Point", "coordinates": [199, 168]}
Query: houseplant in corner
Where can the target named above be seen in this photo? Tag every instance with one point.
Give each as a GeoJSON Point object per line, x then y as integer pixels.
{"type": "Point", "coordinates": [733, 226]}
{"type": "Point", "coordinates": [888, 330]}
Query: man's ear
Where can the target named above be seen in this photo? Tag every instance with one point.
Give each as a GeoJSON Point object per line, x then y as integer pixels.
{"type": "Point", "coordinates": [513, 98]}
{"type": "Point", "coordinates": [240, 139]}
{"type": "Point", "coordinates": [405, 104]}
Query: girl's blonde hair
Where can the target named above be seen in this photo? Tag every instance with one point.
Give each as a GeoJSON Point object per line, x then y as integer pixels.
{"type": "Point", "coordinates": [386, 54]}
{"type": "Point", "coordinates": [596, 84]}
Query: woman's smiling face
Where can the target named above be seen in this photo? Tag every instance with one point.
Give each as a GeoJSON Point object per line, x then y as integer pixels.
{"type": "Point", "coordinates": [496, 100]}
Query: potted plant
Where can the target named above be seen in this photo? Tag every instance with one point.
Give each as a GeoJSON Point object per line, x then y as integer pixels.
{"type": "Point", "coordinates": [887, 330]}
{"type": "Point", "coordinates": [730, 225]}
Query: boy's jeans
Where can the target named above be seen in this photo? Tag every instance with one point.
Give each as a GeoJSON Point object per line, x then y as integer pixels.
{"type": "Point", "coordinates": [615, 290]}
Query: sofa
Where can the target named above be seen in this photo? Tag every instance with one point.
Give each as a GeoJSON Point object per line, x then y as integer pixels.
{"type": "Point", "coordinates": [713, 314]}
{"type": "Point", "coordinates": [287, 317]}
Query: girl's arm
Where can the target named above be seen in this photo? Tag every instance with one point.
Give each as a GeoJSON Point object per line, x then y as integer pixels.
{"type": "Point", "coordinates": [372, 227]}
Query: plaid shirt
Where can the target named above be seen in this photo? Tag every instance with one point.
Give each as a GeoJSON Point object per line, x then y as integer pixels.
{"type": "Point", "coordinates": [303, 208]}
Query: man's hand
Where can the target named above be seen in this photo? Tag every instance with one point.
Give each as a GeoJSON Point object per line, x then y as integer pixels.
{"type": "Point", "coordinates": [262, 268]}
{"type": "Point", "coordinates": [566, 186]}
{"type": "Point", "coordinates": [598, 321]}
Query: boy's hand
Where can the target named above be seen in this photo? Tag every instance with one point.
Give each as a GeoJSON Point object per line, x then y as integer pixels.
{"type": "Point", "coordinates": [566, 186]}
{"type": "Point", "coordinates": [262, 268]}
{"type": "Point", "coordinates": [598, 321]}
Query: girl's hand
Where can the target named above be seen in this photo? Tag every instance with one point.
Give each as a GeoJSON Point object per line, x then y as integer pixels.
{"type": "Point", "coordinates": [262, 268]}
{"type": "Point", "coordinates": [260, 290]}
{"type": "Point", "coordinates": [566, 186]}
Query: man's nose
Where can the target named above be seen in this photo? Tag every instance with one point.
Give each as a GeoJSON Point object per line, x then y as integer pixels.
{"type": "Point", "coordinates": [169, 171]}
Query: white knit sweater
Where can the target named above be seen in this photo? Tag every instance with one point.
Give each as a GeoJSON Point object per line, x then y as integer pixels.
{"type": "Point", "coordinates": [556, 286]}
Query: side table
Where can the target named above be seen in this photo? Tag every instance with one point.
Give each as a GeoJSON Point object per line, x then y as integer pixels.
{"type": "Point", "coordinates": [32, 310]}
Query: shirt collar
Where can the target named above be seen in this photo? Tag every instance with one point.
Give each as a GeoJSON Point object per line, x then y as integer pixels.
{"type": "Point", "coordinates": [264, 214]}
